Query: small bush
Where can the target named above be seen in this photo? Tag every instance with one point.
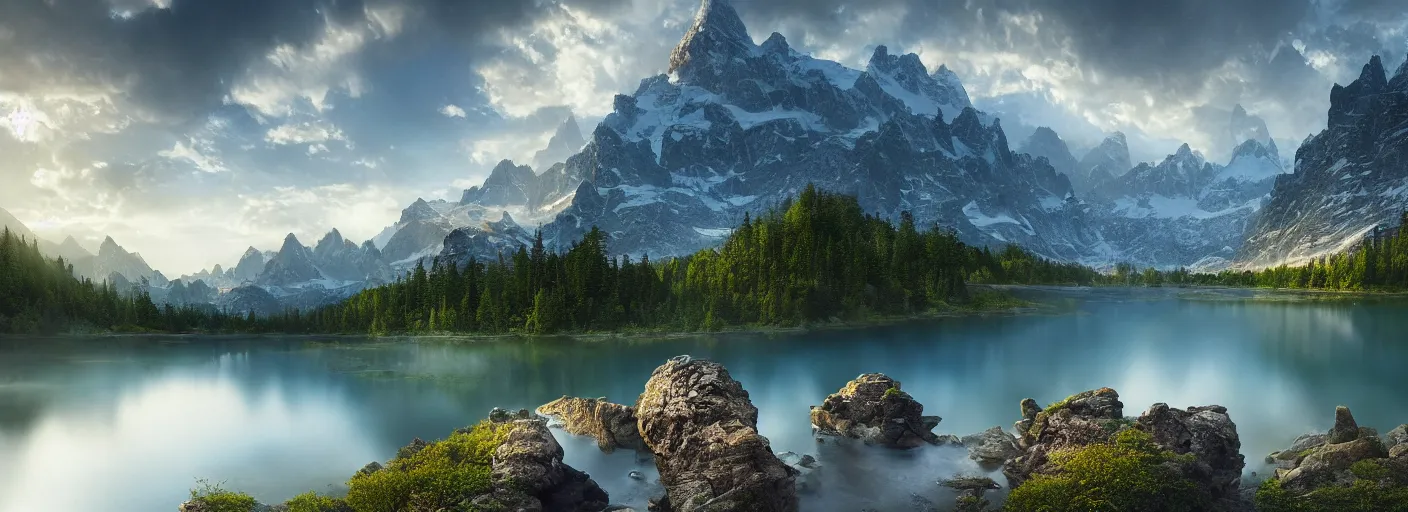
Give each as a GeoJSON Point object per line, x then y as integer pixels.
{"type": "Point", "coordinates": [214, 498]}
{"type": "Point", "coordinates": [1362, 496]}
{"type": "Point", "coordinates": [313, 502]}
{"type": "Point", "coordinates": [1131, 473]}
{"type": "Point", "coordinates": [892, 393]}
{"type": "Point", "coordinates": [439, 476]}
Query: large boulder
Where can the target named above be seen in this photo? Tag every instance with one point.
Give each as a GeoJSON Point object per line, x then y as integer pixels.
{"type": "Point", "coordinates": [1330, 464]}
{"type": "Point", "coordinates": [1205, 432]}
{"type": "Point", "coordinates": [1080, 420]}
{"type": "Point", "coordinates": [612, 425]}
{"type": "Point", "coordinates": [874, 409]}
{"type": "Point", "coordinates": [703, 430]}
{"type": "Point", "coordinates": [529, 475]}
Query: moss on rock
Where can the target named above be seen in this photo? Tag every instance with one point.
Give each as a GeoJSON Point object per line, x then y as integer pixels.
{"type": "Point", "coordinates": [1130, 473]}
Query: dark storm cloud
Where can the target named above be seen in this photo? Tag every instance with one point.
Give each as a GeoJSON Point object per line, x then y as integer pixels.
{"type": "Point", "coordinates": [179, 62]}
{"type": "Point", "coordinates": [1159, 41]}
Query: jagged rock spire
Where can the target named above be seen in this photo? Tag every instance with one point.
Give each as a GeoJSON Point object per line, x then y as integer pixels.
{"type": "Point", "coordinates": [717, 37]}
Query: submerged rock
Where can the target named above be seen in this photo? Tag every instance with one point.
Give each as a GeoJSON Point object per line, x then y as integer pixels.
{"type": "Point", "coordinates": [970, 492]}
{"type": "Point", "coordinates": [874, 409]}
{"type": "Point", "coordinates": [807, 468]}
{"type": "Point", "coordinates": [991, 447]}
{"type": "Point", "coordinates": [612, 425]}
{"type": "Point", "coordinates": [703, 430]}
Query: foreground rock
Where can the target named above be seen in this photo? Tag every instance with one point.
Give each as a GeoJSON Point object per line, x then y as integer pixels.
{"type": "Point", "coordinates": [702, 428]}
{"type": "Point", "coordinates": [1080, 420]}
{"type": "Point", "coordinates": [970, 492]}
{"type": "Point", "coordinates": [529, 475]}
{"type": "Point", "coordinates": [992, 447]}
{"type": "Point", "coordinates": [1206, 437]}
{"type": "Point", "coordinates": [612, 425]}
{"type": "Point", "coordinates": [874, 409]}
{"type": "Point", "coordinates": [1349, 467]}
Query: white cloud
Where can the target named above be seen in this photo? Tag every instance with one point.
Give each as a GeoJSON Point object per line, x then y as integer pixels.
{"type": "Point", "coordinates": [314, 149]}
{"type": "Point", "coordinates": [576, 59]}
{"type": "Point", "coordinates": [304, 133]}
{"type": "Point", "coordinates": [290, 74]}
{"type": "Point", "coordinates": [358, 211]}
{"type": "Point", "coordinates": [198, 153]}
{"type": "Point", "coordinates": [452, 110]}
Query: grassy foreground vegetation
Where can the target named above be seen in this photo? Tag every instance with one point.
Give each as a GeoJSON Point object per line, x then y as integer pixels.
{"type": "Point", "coordinates": [1130, 473]}
{"type": "Point", "coordinates": [440, 476]}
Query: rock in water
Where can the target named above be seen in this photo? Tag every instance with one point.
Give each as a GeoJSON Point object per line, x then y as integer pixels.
{"type": "Point", "coordinates": [613, 425]}
{"type": "Point", "coordinates": [874, 409]}
{"type": "Point", "coordinates": [1205, 432]}
{"type": "Point", "coordinates": [991, 447]}
{"type": "Point", "coordinates": [1345, 429]}
{"type": "Point", "coordinates": [703, 430]}
{"type": "Point", "coordinates": [529, 475]}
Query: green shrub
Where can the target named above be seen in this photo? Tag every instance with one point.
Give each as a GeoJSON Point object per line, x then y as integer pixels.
{"type": "Point", "coordinates": [217, 499]}
{"type": "Point", "coordinates": [439, 476]}
{"type": "Point", "coordinates": [313, 502]}
{"type": "Point", "coordinates": [1130, 474]}
{"type": "Point", "coordinates": [892, 393]}
{"type": "Point", "coordinates": [1362, 496]}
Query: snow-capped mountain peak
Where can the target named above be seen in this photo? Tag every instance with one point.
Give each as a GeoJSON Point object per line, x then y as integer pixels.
{"type": "Point", "coordinates": [716, 38]}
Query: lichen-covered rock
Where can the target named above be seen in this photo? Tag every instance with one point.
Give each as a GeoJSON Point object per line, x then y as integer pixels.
{"type": "Point", "coordinates": [1207, 433]}
{"type": "Point", "coordinates": [1345, 429]}
{"type": "Point", "coordinates": [1330, 464]}
{"type": "Point", "coordinates": [1080, 420]}
{"type": "Point", "coordinates": [874, 409]}
{"type": "Point", "coordinates": [1029, 411]}
{"type": "Point", "coordinates": [991, 447]}
{"type": "Point", "coordinates": [1398, 451]}
{"type": "Point", "coordinates": [1397, 436]}
{"type": "Point", "coordinates": [612, 425]}
{"type": "Point", "coordinates": [970, 492]}
{"type": "Point", "coordinates": [702, 428]}
{"type": "Point", "coordinates": [529, 475]}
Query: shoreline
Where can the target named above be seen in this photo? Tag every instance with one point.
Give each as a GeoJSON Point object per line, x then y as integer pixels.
{"type": "Point", "coordinates": [1009, 306]}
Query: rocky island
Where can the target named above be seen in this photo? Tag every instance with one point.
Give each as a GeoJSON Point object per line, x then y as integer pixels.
{"type": "Point", "coordinates": [700, 428]}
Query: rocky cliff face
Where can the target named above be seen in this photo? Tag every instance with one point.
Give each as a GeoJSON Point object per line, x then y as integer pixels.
{"type": "Point", "coordinates": [738, 127]}
{"type": "Point", "coordinates": [1348, 179]}
{"type": "Point", "coordinates": [565, 142]}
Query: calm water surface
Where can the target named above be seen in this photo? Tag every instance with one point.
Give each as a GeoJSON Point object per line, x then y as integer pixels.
{"type": "Point", "coordinates": [126, 424]}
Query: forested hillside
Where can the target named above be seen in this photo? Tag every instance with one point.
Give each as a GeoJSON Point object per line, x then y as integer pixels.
{"type": "Point", "coordinates": [817, 258]}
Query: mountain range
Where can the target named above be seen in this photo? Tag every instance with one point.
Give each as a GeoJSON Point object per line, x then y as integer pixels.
{"type": "Point", "coordinates": [737, 127]}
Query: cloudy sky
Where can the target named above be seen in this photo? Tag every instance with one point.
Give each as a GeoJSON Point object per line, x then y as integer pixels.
{"type": "Point", "coordinates": [191, 129]}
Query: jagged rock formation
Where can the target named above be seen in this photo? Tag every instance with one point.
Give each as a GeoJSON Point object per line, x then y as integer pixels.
{"type": "Point", "coordinates": [249, 266]}
{"type": "Point", "coordinates": [874, 409]}
{"type": "Point", "coordinates": [1327, 460]}
{"type": "Point", "coordinates": [992, 447]}
{"type": "Point", "coordinates": [703, 430]}
{"type": "Point", "coordinates": [1186, 211]}
{"type": "Point", "coordinates": [565, 142]}
{"type": "Point", "coordinates": [1097, 416]}
{"type": "Point", "coordinates": [293, 264]}
{"type": "Point", "coordinates": [1205, 432]}
{"type": "Point", "coordinates": [529, 474]}
{"type": "Point", "coordinates": [1045, 143]}
{"type": "Point", "coordinates": [485, 242]}
{"type": "Point", "coordinates": [1349, 178]}
{"type": "Point", "coordinates": [612, 425]}
{"type": "Point", "coordinates": [1104, 163]}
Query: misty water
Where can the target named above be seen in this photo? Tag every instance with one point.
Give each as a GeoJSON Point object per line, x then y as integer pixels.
{"type": "Point", "coordinates": [130, 424]}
